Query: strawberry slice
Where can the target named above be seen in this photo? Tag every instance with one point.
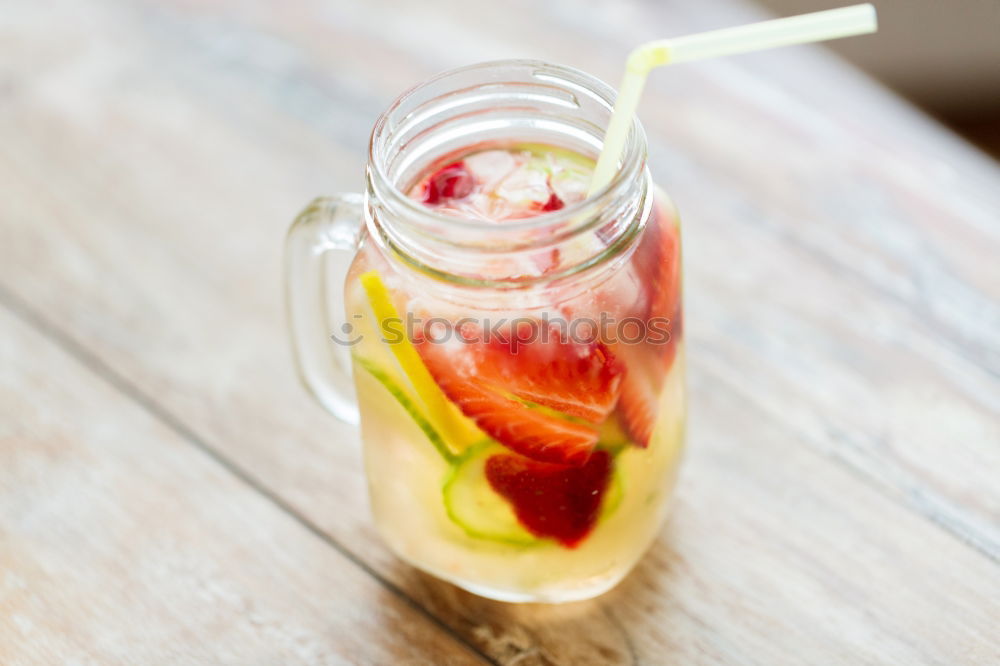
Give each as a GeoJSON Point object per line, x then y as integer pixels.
{"type": "Point", "coordinates": [540, 397]}
{"type": "Point", "coordinates": [554, 501]}
{"type": "Point", "coordinates": [657, 262]}
{"type": "Point", "coordinates": [638, 404]}
{"type": "Point", "coordinates": [577, 378]}
{"type": "Point", "coordinates": [638, 412]}
{"type": "Point", "coordinates": [553, 203]}
{"type": "Point", "coordinates": [450, 182]}
{"type": "Point", "coordinates": [530, 432]}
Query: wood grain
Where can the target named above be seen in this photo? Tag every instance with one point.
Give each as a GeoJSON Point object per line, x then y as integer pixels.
{"type": "Point", "coordinates": [840, 502]}
{"type": "Point", "coordinates": [122, 544]}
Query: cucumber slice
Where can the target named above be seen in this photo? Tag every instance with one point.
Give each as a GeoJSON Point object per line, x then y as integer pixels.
{"type": "Point", "coordinates": [615, 493]}
{"type": "Point", "coordinates": [473, 505]}
{"type": "Point", "coordinates": [403, 398]}
{"type": "Point", "coordinates": [612, 436]}
{"type": "Point", "coordinates": [456, 430]}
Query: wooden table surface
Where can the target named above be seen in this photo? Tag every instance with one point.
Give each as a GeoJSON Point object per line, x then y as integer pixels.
{"type": "Point", "coordinates": [170, 495]}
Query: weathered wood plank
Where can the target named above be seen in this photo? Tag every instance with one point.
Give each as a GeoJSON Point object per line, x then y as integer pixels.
{"type": "Point", "coordinates": [122, 544]}
{"type": "Point", "coordinates": [155, 153]}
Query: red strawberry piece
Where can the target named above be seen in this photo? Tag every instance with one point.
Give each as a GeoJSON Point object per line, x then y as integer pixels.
{"type": "Point", "coordinates": [530, 432]}
{"type": "Point", "coordinates": [554, 203]}
{"type": "Point", "coordinates": [646, 367]}
{"type": "Point", "coordinates": [577, 378]}
{"type": "Point", "coordinates": [637, 411]}
{"type": "Point", "coordinates": [494, 380]}
{"type": "Point", "coordinates": [554, 501]}
{"type": "Point", "coordinates": [451, 182]}
{"type": "Point", "coordinates": [657, 262]}
{"type": "Point", "coordinates": [536, 207]}
{"type": "Point", "coordinates": [638, 405]}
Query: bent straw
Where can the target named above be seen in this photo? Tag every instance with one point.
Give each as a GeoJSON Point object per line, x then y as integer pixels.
{"type": "Point", "coordinates": [814, 27]}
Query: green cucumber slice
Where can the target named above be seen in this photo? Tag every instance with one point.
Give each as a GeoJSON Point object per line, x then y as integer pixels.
{"type": "Point", "coordinates": [612, 436]}
{"type": "Point", "coordinates": [409, 404]}
{"type": "Point", "coordinates": [473, 505]}
{"type": "Point", "coordinates": [616, 490]}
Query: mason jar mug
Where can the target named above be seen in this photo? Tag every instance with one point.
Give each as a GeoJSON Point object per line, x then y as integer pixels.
{"type": "Point", "coordinates": [519, 382]}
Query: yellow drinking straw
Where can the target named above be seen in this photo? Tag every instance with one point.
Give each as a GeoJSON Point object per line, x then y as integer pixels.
{"type": "Point", "coordinates": [814, 27]}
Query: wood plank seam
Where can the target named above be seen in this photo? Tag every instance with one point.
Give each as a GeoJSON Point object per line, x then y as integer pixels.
{"type": "Point", "coordinates": [25, 313]}
{"type": "Point", "coordinates": [961, 533]}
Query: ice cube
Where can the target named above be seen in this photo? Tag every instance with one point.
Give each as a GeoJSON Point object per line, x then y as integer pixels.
{"type": "Point", "coordinates": [524, 186]}
{"type": "Point", "coordinates": [490, 167]}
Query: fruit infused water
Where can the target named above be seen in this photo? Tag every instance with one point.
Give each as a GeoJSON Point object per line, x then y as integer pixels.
{"type": "Point", "coordinates": [525, 453]}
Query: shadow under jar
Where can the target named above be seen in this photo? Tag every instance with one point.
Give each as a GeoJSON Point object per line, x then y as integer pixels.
{"type": "Point", "coordinates": [519, 381]}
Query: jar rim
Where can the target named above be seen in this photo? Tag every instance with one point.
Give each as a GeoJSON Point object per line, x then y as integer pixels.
{"type": "Point", "coordinates": [633, 155]}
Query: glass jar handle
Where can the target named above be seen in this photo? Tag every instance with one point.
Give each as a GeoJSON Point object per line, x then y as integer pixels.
{"type": "Point", "coordinates": [318, 251]}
